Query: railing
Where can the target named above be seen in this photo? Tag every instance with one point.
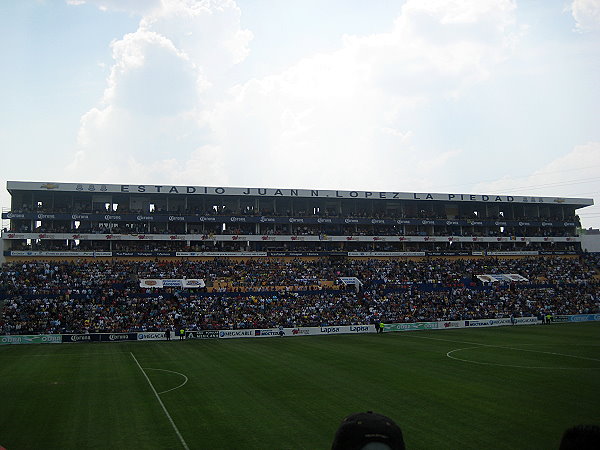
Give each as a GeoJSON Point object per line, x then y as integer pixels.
{"type": "Point", "coordinates": [5, 222]}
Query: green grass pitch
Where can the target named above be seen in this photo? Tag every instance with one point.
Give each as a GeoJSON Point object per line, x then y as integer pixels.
{"type": "Point", "coordinates": [497, 388]}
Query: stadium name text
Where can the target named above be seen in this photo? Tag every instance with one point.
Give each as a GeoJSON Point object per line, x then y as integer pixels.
{"type": "Point", "coordinates": [198, 190]}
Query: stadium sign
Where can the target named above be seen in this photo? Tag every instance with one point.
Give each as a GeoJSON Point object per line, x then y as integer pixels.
{"type": "Point", "coordinates": [219, 254]}
{"type": "Point", "coordinates": [410, 326]}
{"type": "Point", "coordinates": [195, 218]}
{"type": "Point", "coordinates": [343, 329]}
{"type": "Point", "coordinates": [304, 253]}
{"type": "Point", "coordinates": [152, 336]}
{"type": "Point", "coordinates": [451, 324]}
{"type": "Point", "coordinates": [190, 283]}
{"type": "Point", "coordinates": [67, 338]}
{"type": "Point", "coordinates": [577, 318]}
{"type": "Point", "coordinates": [501, 277]}
{"type": "Point", "coordinates": [117, 337]}
{"type": "Point", "coordinates": [225, 334]}
{"type": "Point", "coordinates": [487, 322]}
{"type": "Point", "coordinates": [280, 254]}
{"type": "Point", "coordinates": [384, 254]}
{"type": "Point", "coordinates": [298, 331]}
{"type": "Point", "coordinates": [351, 281]}
{"type": "Point", "coordinates": [513, 253]}
{"type": "Point", "coordinates": [526, 320]}
{"type": "Point", "coordinates": [204, 334]}
{"type": "Point", "coordinates": [270, 332]}
{"type": "Point", "coordinates": [361, 328]}
{"type": "Point", "coordinates": [479, 323]}
{"type": "Point", "coordinates": [31, 339]}
{"type": "Point", "coordinates": [329, 330]}
{"type": "Point", "coordinates": [278, 192]}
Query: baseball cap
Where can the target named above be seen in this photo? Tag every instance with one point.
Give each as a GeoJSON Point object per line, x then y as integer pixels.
{"type": "Point", "coordinates": [368, 431]}
{"type": "Point", "coordinates": [581, 437]}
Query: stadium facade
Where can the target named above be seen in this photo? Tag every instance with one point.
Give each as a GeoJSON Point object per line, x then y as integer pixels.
{"type": "Point", "coordinates": [82, 220]}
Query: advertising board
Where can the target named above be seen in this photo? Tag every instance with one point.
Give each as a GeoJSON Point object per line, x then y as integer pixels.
{"type": "Point", "coordinates": [280, 332]}
{"type": "Point", "coordinates": [31, 339]}
{"type": "Point", "coordinates": [151, 336]}
{"type": "Point", "coordinates": [451, 324]}
{"type": "Point", "coordinates": [411, 326]}
{"type": "Point", "coordinates": [577, 318]}
{"type": "Point", "coordinates": [298, 331]}
{"type": "Point", "coordinates": [117, 337]}
{"type": "Point", "coordinates": [71, 338]}
{"type": "Point", "coordinates": [480, 323]}
{"type": "Point", "coordinates": [204, 334]}
{"type": "Point", "coordinates": [526, 320]}
{"type": "Point", "coordinates": [227, 334]}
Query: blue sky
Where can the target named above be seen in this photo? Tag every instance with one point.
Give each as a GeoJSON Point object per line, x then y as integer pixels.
{"type": "Point", "coordinates": [482, 96]}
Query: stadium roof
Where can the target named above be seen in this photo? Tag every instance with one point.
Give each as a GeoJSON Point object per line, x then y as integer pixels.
{"type": "Point", "coordinates": [13, 186]}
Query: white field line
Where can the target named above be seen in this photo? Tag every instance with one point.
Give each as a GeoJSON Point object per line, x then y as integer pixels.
{"type": "Point", "coordinates": [449, 355]}
{"type": "Point", "coordinates": [82, 355]}
{"type": "Point", "coordinates": [508, 348]}
{"type": "Point", "coordinates": [183, 443]}
{"type": "Point", "coordinates": [171, 371]}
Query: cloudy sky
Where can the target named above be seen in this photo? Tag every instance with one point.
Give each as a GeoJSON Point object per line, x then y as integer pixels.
{"type": "Point", "coordinates": [481, 96]}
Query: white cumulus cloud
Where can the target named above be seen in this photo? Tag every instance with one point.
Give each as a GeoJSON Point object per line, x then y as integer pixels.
{"type": "Point", "coordinates": [149, 124]}
{"type": "Point", "coordinates": [326, 119]}
{"type": "Point", "coordinates": [338, 119]}
{"type": "Point", "coordinates": [586, 14]}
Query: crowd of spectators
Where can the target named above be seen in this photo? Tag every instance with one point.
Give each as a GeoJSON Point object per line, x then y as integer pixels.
{"type": "Point", "coordinates": [84, 296]}
{"type": "Point", "coordinates": [322, 245]}
{"type": "Point", "coordinates": [295, 229]}
{"type": "Point", "coordinates": [224, 210]}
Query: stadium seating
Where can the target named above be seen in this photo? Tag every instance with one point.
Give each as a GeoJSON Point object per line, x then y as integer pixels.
{"type": "Point", "coordinates": [59, 297]}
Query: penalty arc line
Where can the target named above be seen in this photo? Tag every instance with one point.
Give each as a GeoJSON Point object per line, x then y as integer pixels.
{"type": "Point", "coordinates": [170, 371]}
{"type": "Point", "coordinates": [504, 347]}
{"type": "Point", "coordinates": [449, 355]}
{"type": "Point", "coordinates": [185, 446]}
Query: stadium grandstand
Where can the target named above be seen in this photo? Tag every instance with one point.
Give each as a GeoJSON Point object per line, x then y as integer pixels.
{"type": "Point", "coordinates": [85, 258]}
{"type": "Point", "coordinates": [48, 219]}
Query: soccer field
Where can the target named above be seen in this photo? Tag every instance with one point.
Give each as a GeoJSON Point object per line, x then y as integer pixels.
{"type": "Point", "coordinates": [503, 387]}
